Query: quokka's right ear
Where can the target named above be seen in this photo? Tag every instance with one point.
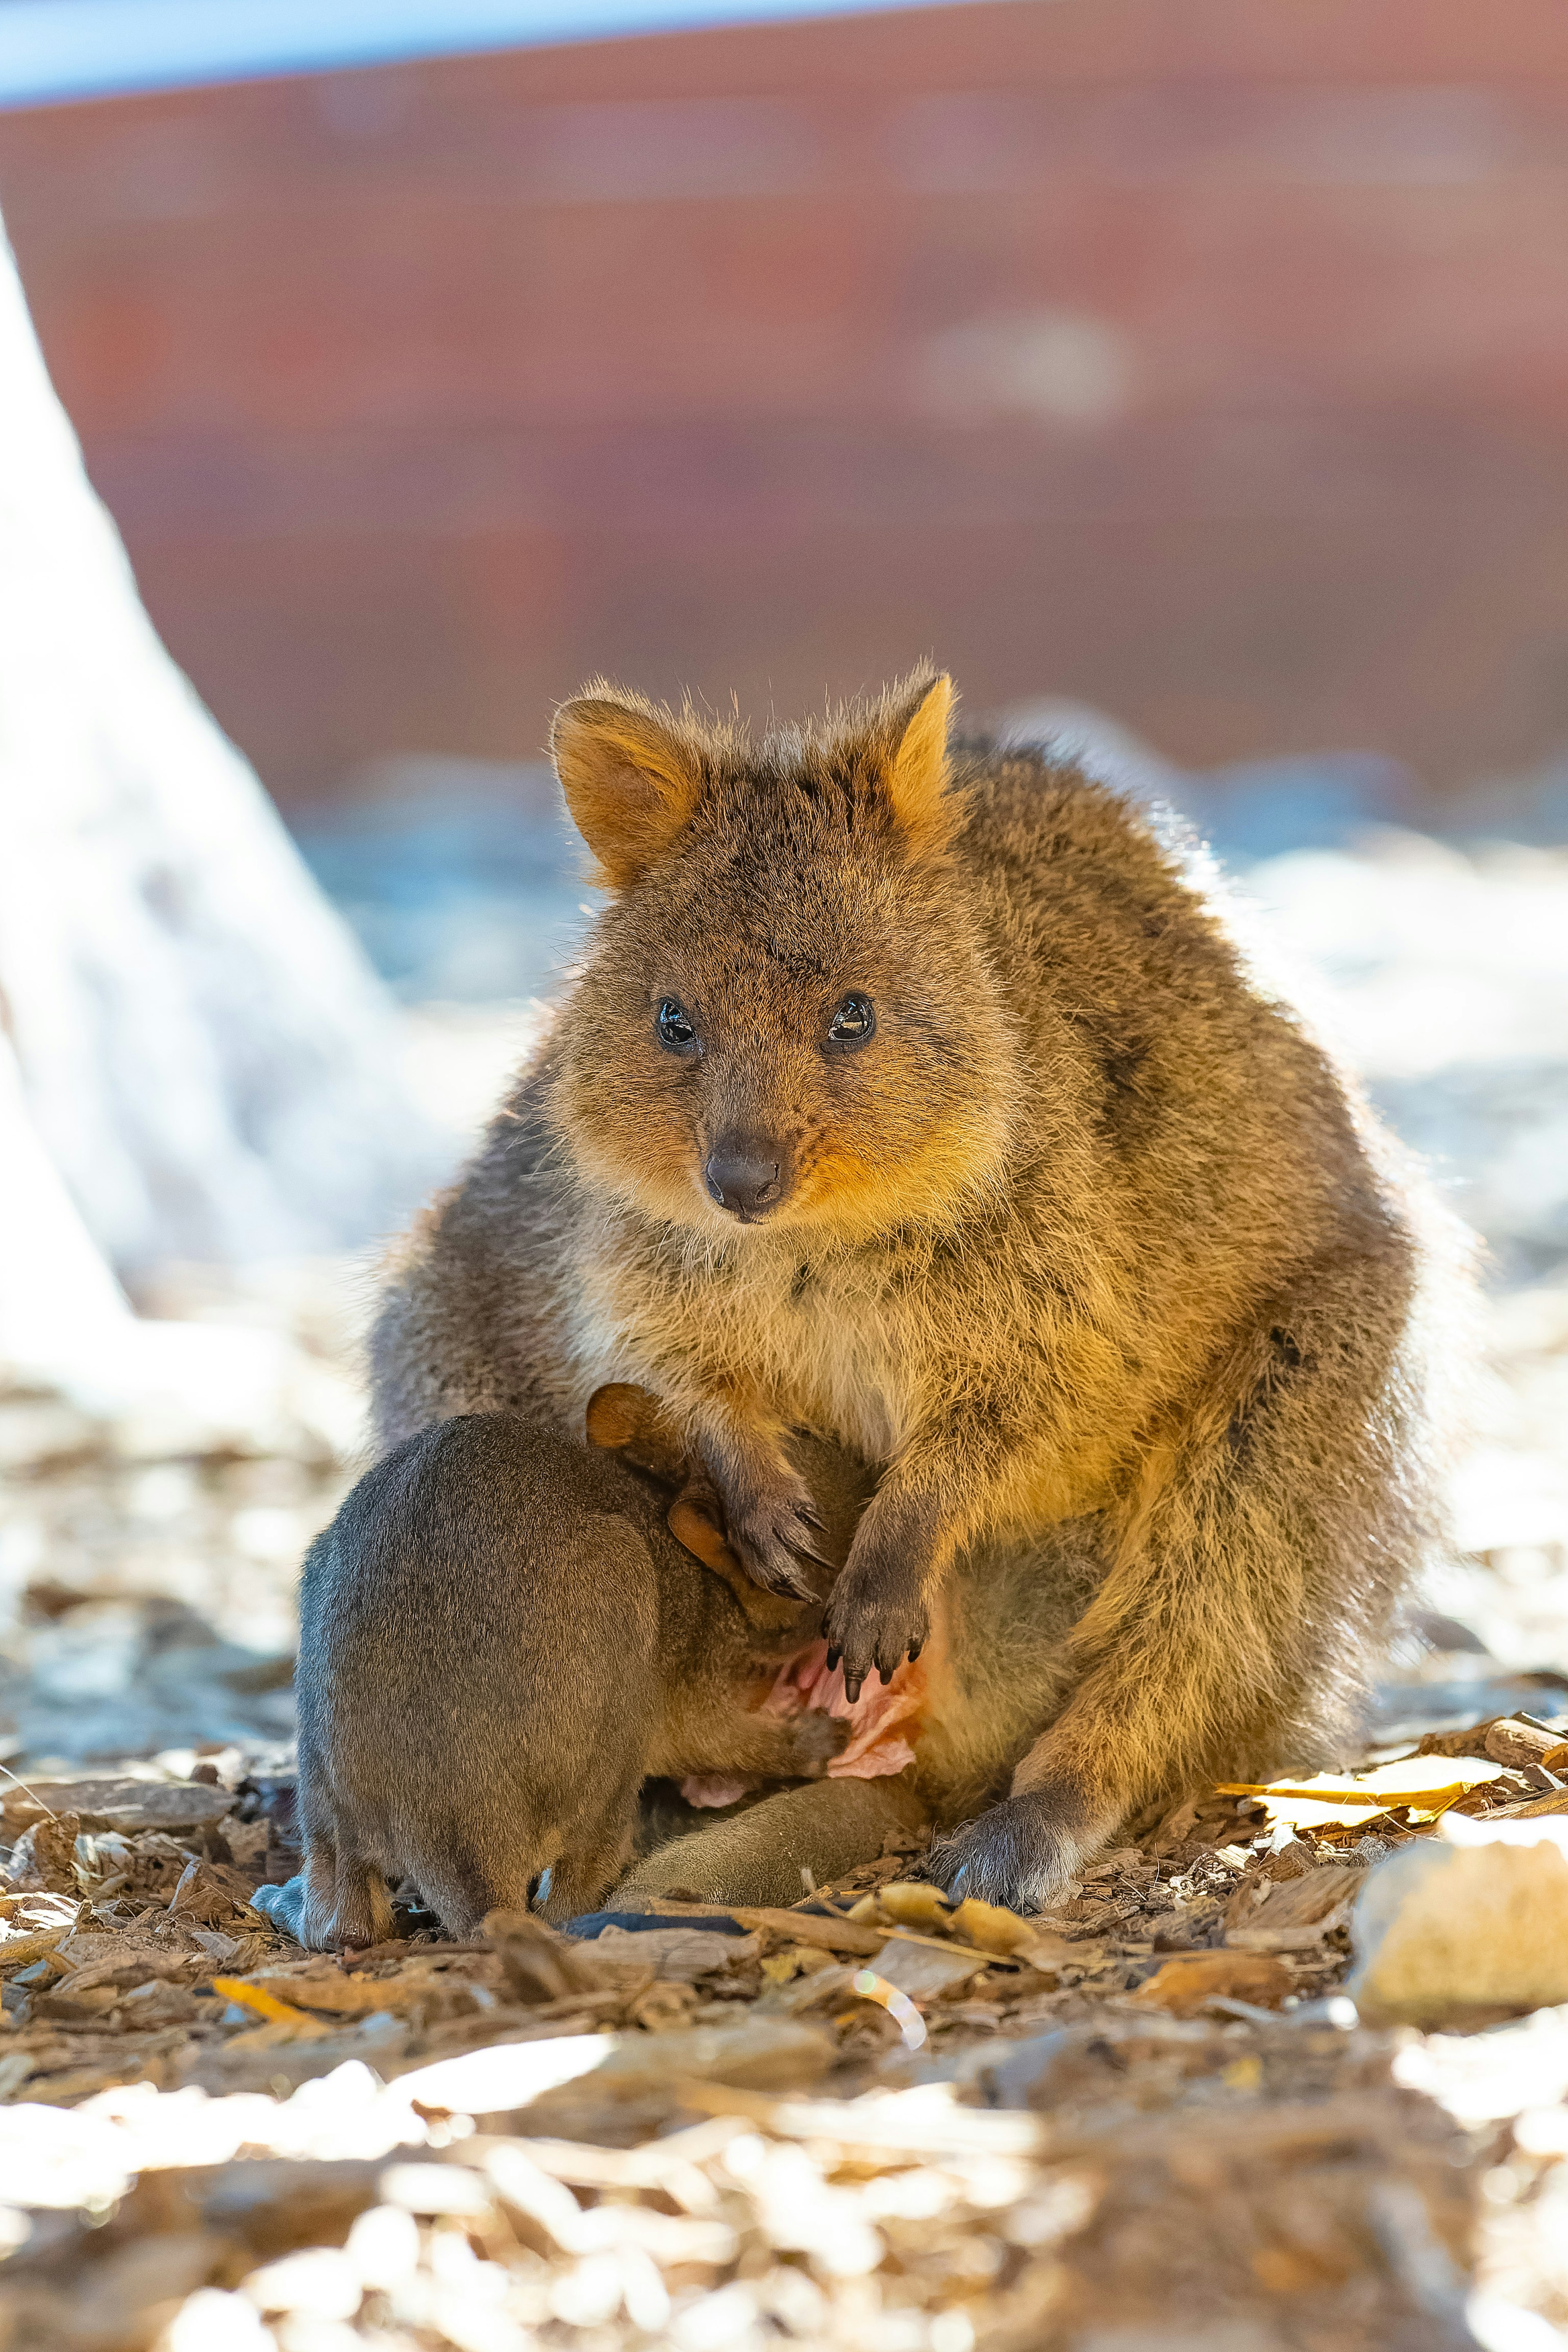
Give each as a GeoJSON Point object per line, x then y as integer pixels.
{"type": "Point", "coordinates": [630, 778]}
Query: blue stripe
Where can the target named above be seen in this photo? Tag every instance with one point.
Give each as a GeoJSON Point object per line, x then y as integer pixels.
{"type": "Point", "coordinates": [58, 49]}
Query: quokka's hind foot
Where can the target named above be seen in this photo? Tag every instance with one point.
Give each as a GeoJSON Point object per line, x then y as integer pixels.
{"type": "Point", "coordinates": [1023, 1851]}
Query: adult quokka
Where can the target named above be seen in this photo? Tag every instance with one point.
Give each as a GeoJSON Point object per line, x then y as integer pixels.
{"type": "Point", "coordinates": [911, 1094]}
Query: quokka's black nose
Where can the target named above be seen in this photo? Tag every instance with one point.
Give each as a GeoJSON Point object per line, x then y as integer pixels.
{"type": "Point", "coordinates": [747, 1179]}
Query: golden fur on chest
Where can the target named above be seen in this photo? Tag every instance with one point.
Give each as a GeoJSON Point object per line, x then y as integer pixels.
{"type": "Point", "coordinates": [861, 1344]}
{"type": "Point", "coordinates": [831, 1349]}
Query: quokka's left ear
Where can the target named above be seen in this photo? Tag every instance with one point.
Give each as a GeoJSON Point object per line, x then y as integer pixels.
{"type": "Point", "coordinates": [916, 774]}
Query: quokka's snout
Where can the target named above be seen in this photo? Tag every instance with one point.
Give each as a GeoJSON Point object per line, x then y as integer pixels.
{"type": "Point", "coordinates": [749, 1174]}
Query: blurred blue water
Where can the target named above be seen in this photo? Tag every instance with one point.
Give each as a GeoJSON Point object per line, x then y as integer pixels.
{"type": "Point", "coordinates": [463, 879]}
{"type": "Point", "coordinates": [460, 878]}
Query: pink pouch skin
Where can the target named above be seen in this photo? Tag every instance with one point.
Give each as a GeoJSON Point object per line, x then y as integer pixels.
{"type": "Point", "coordinates": [885, 1721]}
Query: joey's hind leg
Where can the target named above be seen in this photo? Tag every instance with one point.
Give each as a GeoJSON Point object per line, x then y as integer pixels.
{"type": "Point", "coordinates": [758, 1857]}
{"type": "Point", "coordinates": [702, 1735]}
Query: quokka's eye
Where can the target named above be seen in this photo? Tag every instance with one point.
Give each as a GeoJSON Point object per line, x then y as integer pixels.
{"type": "Point", "coordinates": [854, 1022]}
{"type": "Point", "coordinates": [676, 1026]}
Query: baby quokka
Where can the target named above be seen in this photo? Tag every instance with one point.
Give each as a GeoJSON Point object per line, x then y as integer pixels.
{"type": "Point", "coordinates": [911, 1094]}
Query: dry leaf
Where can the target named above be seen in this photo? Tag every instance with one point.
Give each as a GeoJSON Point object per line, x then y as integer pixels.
{"type": "Point", "coordinates": [1348, 1799]}
{"type": "Point", "coordinates": [44, 1855]}
{"type": "Point", "coordinates": [990, 1927]}
{"type": "Point", "coordinates": [266, 2004]}
{"type": "Point", "coordinates": [209, 1892]}
{"type": "Point", "coordinates": [1186, 1982]}
{"type": "Point", "coordinates": [338, 1995]}
{"type": "Point", "coordinates": [915, 1904]}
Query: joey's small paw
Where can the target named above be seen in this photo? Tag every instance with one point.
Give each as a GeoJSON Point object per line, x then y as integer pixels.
{"type": "Point", "coordinates": [776, 1536]}
{"type": "Point", "coordinates": [1019, 1854]}
{"type": "Point", "coordinates": [872, 1631]}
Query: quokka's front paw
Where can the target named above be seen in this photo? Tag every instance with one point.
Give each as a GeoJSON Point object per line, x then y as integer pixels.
{"type": "Point", "coordinates": [776, 1532]}
{"type": "Point", "coordinates": [875, 1618]}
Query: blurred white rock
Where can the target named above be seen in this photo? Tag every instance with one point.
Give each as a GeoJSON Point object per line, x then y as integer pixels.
{"type": "Point", "coordinates": [1474, 1920]}
{"type": "Point", "coordinates": [205, 1054]}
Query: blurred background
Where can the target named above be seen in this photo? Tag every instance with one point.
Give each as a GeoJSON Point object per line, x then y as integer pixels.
{"type": "Point", "coordinates": [1191, 378]}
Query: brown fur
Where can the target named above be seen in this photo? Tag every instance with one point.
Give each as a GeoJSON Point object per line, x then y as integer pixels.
{"type": "Point", "coordinates": [1090, 1234]}
{"type": "Point", "coordinates": [500, 1640]}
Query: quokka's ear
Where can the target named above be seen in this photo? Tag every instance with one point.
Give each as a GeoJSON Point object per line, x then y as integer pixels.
{"type": "Point", "coordinates": [917, 768]}
{"type": "Point", "coordinates": [629, 1420]}
{"type": "Point", "coordinates": [630, 781]}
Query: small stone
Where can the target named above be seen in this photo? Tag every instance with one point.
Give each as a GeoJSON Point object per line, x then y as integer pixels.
{"type": "Point", "coordinates": [1470, 1922]}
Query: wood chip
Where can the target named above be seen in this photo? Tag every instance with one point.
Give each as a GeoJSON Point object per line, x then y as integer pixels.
{"type": "Point", "coordinates": [1527, 1809]}
{"type": "Point", "coordinates": [812, 1928]}
{"type": "Point", "coordinates": [1186, 1982]}
{"type": "Point", "coordinates": [32, 1944]}
{"type": "Point", "coordinates": [922, 1971]}
{"type": "Point", "coordinates": [130, 1964]}
{"type": "Point", "coordinates": [120, 1803]}
{"type": "Point", "coordinates": [1513, 1742]}
{"type": "Point", "coordinates": [1313, 1900]}
{"type": "Point", "coordinates": [670, 1955]}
